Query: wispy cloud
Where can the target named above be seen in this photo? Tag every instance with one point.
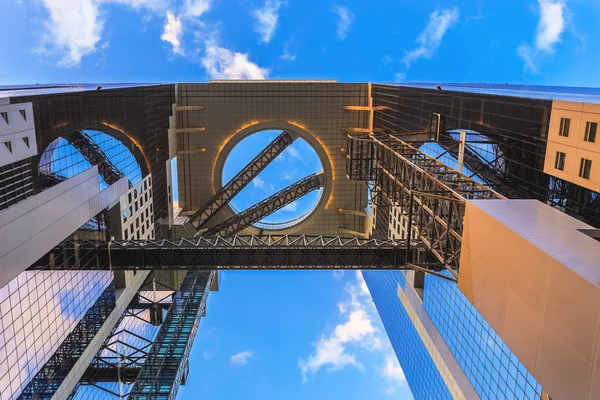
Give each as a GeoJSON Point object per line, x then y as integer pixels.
{"type": "Point", "coordinates": [292, 207]}
{"type": "Point", "coordinates": [345, 19]}
{"type": "Point", "coordinates": [289, 175]}
{"type": "Point", "coordinates": [242, 358]}
{"type": "Point", "coordinates": [287, 54]}
{"type": "Point", "coordinates": [266, 19]}
{"type": "Point", "coordinates": [222, 63]}
{"type": "Point", "coordinates": [551, 26]}
{"type": "Point", "coordinates": [338, 274]}
{"type": "Point", "coordinates": [392, 373]}
{"type": "Point", "coordinates": [195, 8]}
{"type": "Point", "coordinates": [292, 152]}
{"type": "Point", "coordinates": [430, 39]}
{"type": "Point", "coordinates": [334, 351]}
{"type": "Point", "coordinates": [172, 33]}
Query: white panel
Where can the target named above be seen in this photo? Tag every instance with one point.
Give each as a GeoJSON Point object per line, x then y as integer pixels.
{"type": "Point", "coordinates": [37, 224]}
{"type": "Point", "coordinates": [14, 131]}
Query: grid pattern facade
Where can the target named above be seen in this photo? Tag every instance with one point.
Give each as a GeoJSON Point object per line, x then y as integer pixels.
{"type": "Point", "coordinates": [421, 372]}
{"type": "Point", "coordinates": [16, 183]}
{"type": "Point", "coordinates": [314, 111]}
{"type": "Point", "coordinates": [137, 211]}
{"type": "Point", "coordinates": [494, 371]}
{"type": "Point", "coordinates": [517, 127]}
{"type": "Point", "coordinates": [62, 159]}
{"type": "Point", "coordinates": [38, 309]}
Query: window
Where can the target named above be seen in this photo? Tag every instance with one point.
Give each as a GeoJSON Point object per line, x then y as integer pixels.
{"type": "Point", "coordinates": [23, 114]}
{"type": "Point", "coordinates": [8, 146]}
{"type": "Point", "coordinates": [585, 168]}
{"type": "Point", "coordinates": [565, 124]}
{"type": "Point", "coordinates": [590, 132]}
{"type": "Point", "coordinates": [26, 140]}
{"type": "Point", "coordinates": [560, 161]}
{"type": "Point", "coordinates": [4, 116]}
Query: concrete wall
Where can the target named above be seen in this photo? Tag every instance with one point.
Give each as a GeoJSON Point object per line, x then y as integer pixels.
{"type": "Point", "coordinates": [13, 133]}
{"type": "Point", "coordinates": [235, 110]}
{"type": "Point", "coordinates": [34, 226]}
{"type": "Point", "coordinates": [536, 280]}
{"type": "Point", "coordinates": [574, 145]}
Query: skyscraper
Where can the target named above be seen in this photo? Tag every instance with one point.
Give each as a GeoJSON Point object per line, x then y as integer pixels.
{"type": "Point", "coordinates": [115, 216]}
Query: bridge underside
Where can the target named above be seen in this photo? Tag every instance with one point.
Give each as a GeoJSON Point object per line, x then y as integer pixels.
{"type": "Point", "coordinates": [237, 252]}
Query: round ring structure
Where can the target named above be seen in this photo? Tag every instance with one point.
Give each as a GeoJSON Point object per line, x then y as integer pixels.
{"type": "Point", "coordinates": [304, 220]}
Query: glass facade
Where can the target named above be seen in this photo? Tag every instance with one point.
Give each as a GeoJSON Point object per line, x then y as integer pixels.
{"type": "Point", "coordinates": [38, 309]}
{"type": "Point", "coordinates": [492, 369]}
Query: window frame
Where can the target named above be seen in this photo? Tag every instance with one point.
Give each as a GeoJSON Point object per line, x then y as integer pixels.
{"type": "Point", "coordinates": [559, 161]}
{"type": "Point", "coordinates": [565, 127]}
{"type": "Point", "coordinates": [590, 136]}
{"type": "Point", "coordinates": [585, 168]}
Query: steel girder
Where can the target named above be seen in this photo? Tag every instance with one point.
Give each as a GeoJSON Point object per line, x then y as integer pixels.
{"type": "Point", "coordinates": [165, 366]}
{"type": "Point", "coordinates": [241, 179]}
{"type": "Point", "coordinates": [51, 375]}
{"type": "Point", "coordinates": [430, 194]}
{"type": "Point", "coordinates": [267, 206]}
{"type": "Point", "coordinates": [237, 252]}
{"type": "Point", "coordinates": [483, 168]}
{"type": "Point", "coordinates": [94, 154]}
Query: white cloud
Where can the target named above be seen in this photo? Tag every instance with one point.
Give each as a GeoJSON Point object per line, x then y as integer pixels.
{"type": "Point", "coordinates": [222, 63]}
{"type": "Point", "coordinates": [392, 373]}
{"type": "Point", "coordinates": [73, 29]}
{"type": "Point", "coordinates": [346, 17]}
{"type": "Point", "coordinates": [242, 358]}
{"type": "Point", "coordinates": [289, 175]}
{"type": "Point", "coordinates": [292, 207]}
{"type": "Point", "coordinates": [172, 31]}
{"type": "Point", "coordinates": [294, 153]}
{"type": "Point", "coordinates": [287, 54]}
{"type": "Point", "coordinates": [357, 331]}
{"type": "Point", "coordinates": [338, 274]}
{"type": "Point", "coordinates": [430, 38]}
{"type": "Point", "coordinates": [258, 183]}
{"type": "Point", "coordinates": [195, 8]}
{"type": "Point", "coordinates": [266, 19]}
{"type": "Point", "coordinates": [550, 27]}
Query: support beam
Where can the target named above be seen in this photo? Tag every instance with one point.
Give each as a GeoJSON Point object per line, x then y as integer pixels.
{"type": "Point", "coordinates": [95, 156]}
{"type": "Point", "coordinates": [238, 252]}
{"type": "Point", "coordinates": [47, 381]}
{"type": "Point", "coordinates": [431, 193]}
{"type": "Point", "coordinates": [165, 366]}
{"type": "Point", "coordinates": [268, 206]}
{"type": "Point", "coordinates": [242, 179]}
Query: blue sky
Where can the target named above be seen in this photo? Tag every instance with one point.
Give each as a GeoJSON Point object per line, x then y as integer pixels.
{"type": "Point", "coordinates": [294, 163]}
{"type": "Point", "coordinates": [304, 335]}
{"type": "Point", "coordinates": [516, 41]}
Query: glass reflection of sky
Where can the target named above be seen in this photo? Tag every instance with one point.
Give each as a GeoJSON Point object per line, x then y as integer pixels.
{"type": "Point", "coordinates": [67, 161]}
{"type": "Point", "coordinates": [294, 163]}
{"type": "Point", "coordinates": [39, 310]}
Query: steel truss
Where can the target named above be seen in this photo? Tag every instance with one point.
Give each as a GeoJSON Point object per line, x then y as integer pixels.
{"type": "Point", "coordinates": [118, 361]}
{"type": "Point", "coordinates": [94, 154]}
{"type": "Point", "coordinates": [237, 252]}
{"type": "Point", "coordinates": [267, 206]}
{"type": "Point", "coordinates": [481, 167]}
{"type": "Point", "coordinates": [52, 374]}
{"type": "Point", "coordinates": [430, 194]}
{"type": "Point", "coordinates": [166, 364]}
{"type": "Point", "coordinates": [241, 179]}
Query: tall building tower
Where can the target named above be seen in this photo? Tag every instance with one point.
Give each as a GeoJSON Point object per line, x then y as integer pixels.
{"type": "Point", "coordinates": [516, 326]}
{"type": "Point", "coordinates": [470, 209]}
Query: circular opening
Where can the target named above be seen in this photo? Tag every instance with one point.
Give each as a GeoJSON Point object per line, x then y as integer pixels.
{"type": "Point", "coordinates": [296, 162]}
{"type": "Point", "coordinates": [62, 159]}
